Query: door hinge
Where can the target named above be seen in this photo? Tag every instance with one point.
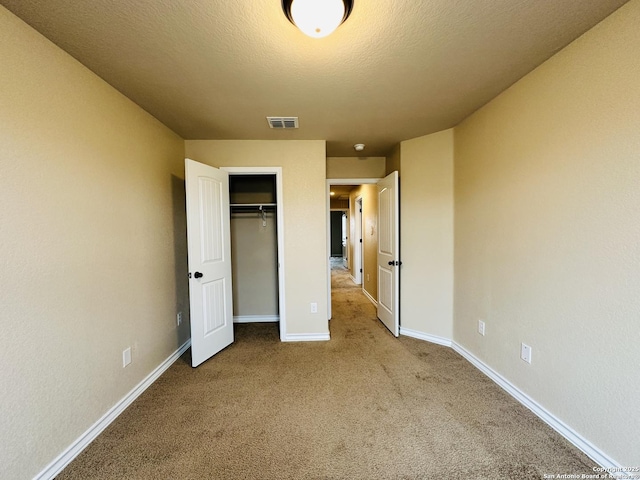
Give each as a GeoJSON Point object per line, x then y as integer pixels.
{"type": "Point", "coordinates": [360, 240]}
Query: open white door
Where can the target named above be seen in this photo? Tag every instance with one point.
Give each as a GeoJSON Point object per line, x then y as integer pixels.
{"type": "Point", "coordinates": [209, 247]}
{"type": "Point", "coordinates": [388, 253]}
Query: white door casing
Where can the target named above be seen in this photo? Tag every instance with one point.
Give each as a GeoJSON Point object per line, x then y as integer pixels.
{"type": "Point", "coordinates": [209, 252]}
{"type": "Point", "coordinates": [345, 239]}
{"type": "Point", "coordinates": [358, 257]}
{"type": "Point", "coordinates": [342, 181]}
{"type": "Point", "coordinates": [388, 253]}
{"type": "Point", "coordinates": [277, 171]}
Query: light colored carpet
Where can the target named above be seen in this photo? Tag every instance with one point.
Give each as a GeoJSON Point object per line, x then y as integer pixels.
{"type": "Point", "coordinates": [364, 405]}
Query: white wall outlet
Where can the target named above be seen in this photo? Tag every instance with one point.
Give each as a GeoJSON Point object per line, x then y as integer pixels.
{"type": "Point", "coordinates": [314, 308]}
{"type": "Point", "coordinates": [481, 327]}
{"type": "Point", "coordinates": [367, 277]}
{"type": "Point", "coordinates": [525, 352]}
{"type": "Point", "coordinates": [179, 318]}
{"type": "Point", "coordinates": [126, 357]}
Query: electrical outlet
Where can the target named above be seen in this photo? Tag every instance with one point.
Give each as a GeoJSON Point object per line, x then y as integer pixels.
{"type": "Point", "coordinates": [126, 357]}
{"type": "Point", "coordinates": [179, 318]}
{"type": "Point", "coordinates": [367, 277]}
{"type": "Point", "coordinates": [525, 352]}
{"type": "Point", "coordinates": [481, 327]}
{"type": "Point", "coordinates": [314, 308]}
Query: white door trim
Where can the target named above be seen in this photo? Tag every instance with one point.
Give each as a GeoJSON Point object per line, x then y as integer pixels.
{"type": "Point", "coordinates": [277, 171]}
{"type": "Point", "coordinates": [358, 246]}
{"type": "Point", "coordinates": [345, 211]}
{"type": "Point", "coordinates": [329, 182]}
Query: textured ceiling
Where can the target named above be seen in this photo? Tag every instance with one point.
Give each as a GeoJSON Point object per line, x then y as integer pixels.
{"type": "Point", "coordinates": [214, 69]}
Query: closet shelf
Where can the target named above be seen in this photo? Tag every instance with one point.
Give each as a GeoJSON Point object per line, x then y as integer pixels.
{"type": "Point", "coordinates": [253, 205]}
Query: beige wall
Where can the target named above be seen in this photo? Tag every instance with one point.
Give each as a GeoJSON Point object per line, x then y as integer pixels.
{"type": "Point", "coordinates": [305, 212]}
{"type": "Point", "coordinates": [547, 244]}
{"type": "Point", "coordinates": [355, 167]}
{"type": "Point", "coordinates": [393, 163]}
{"type": "Point", "coordinates": [254, 264]}
{"type": "Point", "coordinates": [426, 240]}
{"type": "Point", "coordinates": [369, 194]}
{"type": "Point", "coordinates": [92, 247]}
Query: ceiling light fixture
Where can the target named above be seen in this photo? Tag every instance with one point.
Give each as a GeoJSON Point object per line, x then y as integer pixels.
{"type": "Point", "coordinates": [317, 18]}
{"type": "Point", "coordinates": [358, 147]}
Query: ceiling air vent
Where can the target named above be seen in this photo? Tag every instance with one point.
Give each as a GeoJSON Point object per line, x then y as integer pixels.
{"type": "Point", "coordinates": [283, 122]}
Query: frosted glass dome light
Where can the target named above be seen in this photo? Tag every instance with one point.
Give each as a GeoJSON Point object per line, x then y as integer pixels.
{"type": "Point", "coordinates": [317, 18]}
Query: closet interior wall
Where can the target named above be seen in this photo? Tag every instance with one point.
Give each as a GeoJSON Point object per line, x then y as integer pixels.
{"type": "Point", "coordinates": [254, 247]}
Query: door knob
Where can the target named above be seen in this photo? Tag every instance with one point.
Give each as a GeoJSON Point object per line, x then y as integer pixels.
{"type": "Point", "coordinates": [391, 262]}
{"type": "Point", "coordinates": [198, 275]}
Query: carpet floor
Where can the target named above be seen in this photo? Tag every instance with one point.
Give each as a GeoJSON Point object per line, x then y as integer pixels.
{"type": "Point", "coordinates": [364, 405]}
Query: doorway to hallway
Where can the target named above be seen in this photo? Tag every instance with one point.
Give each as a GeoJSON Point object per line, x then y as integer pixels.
{"type": "Point", "coordinates": [357, 198]}
{"type": "Point", "coordinates": [372, 245]}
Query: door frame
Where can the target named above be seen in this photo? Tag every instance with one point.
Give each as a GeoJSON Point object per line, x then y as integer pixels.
{"type": "Point", "coordinates": [358, 246]}
{"type": "Point", "coordinates": [345, 237]}
{"type": "Point", "coordinates": [329, 182]}
{"type": "Point", "coordinates": [277, 171]}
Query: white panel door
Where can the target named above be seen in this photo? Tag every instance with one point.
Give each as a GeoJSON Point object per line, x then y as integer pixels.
{"type": "Point", "coordinates": [388, 253]}
{"type": "Point", "coordinates": [209, 247]}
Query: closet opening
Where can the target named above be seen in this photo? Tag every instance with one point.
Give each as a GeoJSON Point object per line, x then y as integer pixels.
{"type": "Point", "coordinates": [256, 245]}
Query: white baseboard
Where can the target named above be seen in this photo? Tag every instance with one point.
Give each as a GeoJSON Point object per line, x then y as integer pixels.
{"type": "Point", "coordinates": [354, 280]}
{"type": "Point", "coordinates": [66, 457]}
{"type": "Point", "coordinates": [597, 455]}
{"type": "Point", "coordinates": [371, 299]}
{"type": "Point", "coordinates": [306, 337]}
{"type": "Point", "coordinates": [425, 336]}
{"type": "Point", "coordinates": [558, 425]}
{"type": "Point", "coordinates": [256, 318]}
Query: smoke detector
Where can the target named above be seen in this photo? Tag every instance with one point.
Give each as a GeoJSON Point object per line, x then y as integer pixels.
{"type": "Point", "coordinates": [359, 147]}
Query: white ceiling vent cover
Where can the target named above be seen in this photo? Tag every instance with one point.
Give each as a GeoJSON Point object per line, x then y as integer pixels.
{"type": "Point", "coordinates": [283, 122]}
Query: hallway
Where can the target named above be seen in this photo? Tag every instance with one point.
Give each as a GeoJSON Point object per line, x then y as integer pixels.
{"type": "Point", "coordinates": [350, 308]}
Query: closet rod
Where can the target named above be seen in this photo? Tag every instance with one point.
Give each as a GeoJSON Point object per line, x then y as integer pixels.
{"type": "Point", "coordinates": [259, 208]}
